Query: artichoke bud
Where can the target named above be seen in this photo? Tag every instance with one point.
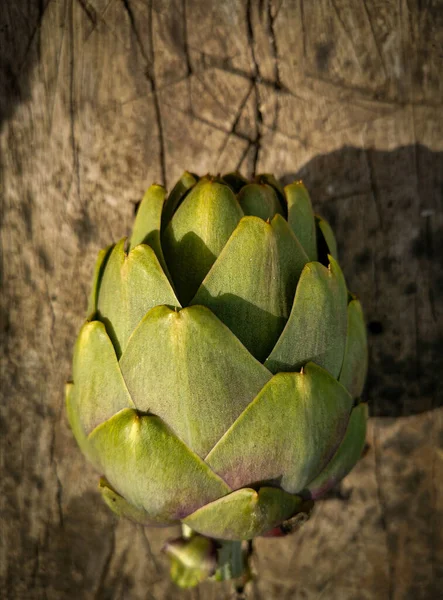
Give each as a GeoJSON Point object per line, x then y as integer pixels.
{"type": "Point", "coordinates": [192, 559]}
{"type": "Point", "coordinates": [261, 200]}
{"type": "Point", "coordinates": [218, 376]}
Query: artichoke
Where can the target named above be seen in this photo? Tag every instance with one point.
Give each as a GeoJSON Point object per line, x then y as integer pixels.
{"type": "Point", "coordinates": [216, 380]}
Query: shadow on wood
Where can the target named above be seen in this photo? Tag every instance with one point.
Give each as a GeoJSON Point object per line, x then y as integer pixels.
{"type": "Point", "coordinates": [385, 210]}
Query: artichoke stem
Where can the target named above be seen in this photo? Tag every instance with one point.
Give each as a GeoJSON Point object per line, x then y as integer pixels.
{"type": "Point", "coordinates": [232, 560]}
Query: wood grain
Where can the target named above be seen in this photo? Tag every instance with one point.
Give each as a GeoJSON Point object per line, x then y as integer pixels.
{"type": "Point", "coordinates": [100, 98]}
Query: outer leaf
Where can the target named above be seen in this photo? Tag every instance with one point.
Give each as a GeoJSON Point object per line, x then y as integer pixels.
{"type": "Point", "coordinates": [147, 223]}
{"type": "Point", "coordinates": [287, 434]}
{"type": "Point", "coordinates": [120, 506]}
{"type": "Point", "coordinates": [235, 181]}
{"type": "Point", "coordinates": [251, 286]}
{"type": "Point", "coordinates": [347, 454]}
{"type": "Point", "coordinates": [301, 217]}
{"type": "Point", "coordinates": [185, 183]}
{"type": "Point", "coordinates": [316, 329]}
{"type": "Point", "coordinates": [260, 200]}
{"type": "Point", "coordinates": [99, 385]}
{"type": "Point", "coordinates": [355, 362]}
{"type": "Point", "coordinates": [99, 269]}
{"type": "Point", "coordinates": [198, 232]}
{"type": "Point", "coordinates": [244, 514]}
{"type": "Point", "coordinates": [76, 426]}
{"type": "Point", "coordinates": [189, 369]}
{"type": "Point", "coordinates": [325, 234]}
{"type": "Point", "coordinates": [131, 285]}
{"type": "Point", "coordinates": [150, 467]}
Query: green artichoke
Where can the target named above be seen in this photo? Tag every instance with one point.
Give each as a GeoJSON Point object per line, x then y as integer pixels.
{"type": "Point", "coordinates": [216, 381]}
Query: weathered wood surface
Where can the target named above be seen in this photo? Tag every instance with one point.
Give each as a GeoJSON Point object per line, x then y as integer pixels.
{"type": "Point", "coordinates": [98, 99]}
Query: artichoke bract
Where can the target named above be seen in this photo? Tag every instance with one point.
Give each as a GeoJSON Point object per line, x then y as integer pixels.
{"type": "Point", "coordinates": [217, 378]}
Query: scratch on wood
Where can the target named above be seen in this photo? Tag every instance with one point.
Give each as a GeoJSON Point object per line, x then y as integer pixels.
{"type": "Point", "coordinates": [57, 73]}
{"type": "Point", "coordinates": [303, 28]}
{"type": "Point", "coordinates": [35, 31]}
{"type": "Point", "coordinates": [371, 25]}
{"type": "Point", "coordinates": [90, 11]}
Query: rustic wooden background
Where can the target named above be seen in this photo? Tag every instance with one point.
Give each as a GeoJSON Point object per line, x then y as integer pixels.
{"type": "Point", "coordinates": [99, 98]}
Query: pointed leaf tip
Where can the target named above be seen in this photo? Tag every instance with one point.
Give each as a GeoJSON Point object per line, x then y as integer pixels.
{"type": "Point", "coordinates": [197, 233]}
{"type": "Point", "coordinates": [178, 193]}
{"type": "Point", "coordinates": [251, 285]}
{"type": "Point", "coordinates": [165, 356]}
{"type": "Point", "coordinates": [147, 464]}
{"type": "Point", "coordinates": [355, 361]}
{"type": "Point", "coordinates": [99, 269]}
{"type": "Point", "coordinates": [301, 217]}
{"type": "Point", "coordinates": [131, 285]}
{"type": "Point", "coordinates": [287, 433]}
{"type": "Point", "coordinates": [316, 328]}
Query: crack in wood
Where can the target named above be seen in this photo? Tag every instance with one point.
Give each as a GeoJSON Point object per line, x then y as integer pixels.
{"type": "Point", "coordinates": [275, 57]}
{"type": "Point", "coordinates": [235, 123]}
{"type": "Point", "coordinates": [383, 513]}
{"type": "Point", "coordinates": [106, 566]}
{"type": "Point", "coordinates": [72, 101]}
{"type": "Point", "coordinates": [255, 79]}
{"type": "Point", "coordinates": [150, 76]}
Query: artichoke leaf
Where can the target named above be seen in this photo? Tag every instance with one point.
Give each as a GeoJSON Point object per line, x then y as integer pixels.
{"type": "Point", "coordinates": [147, 224]}
{"type": "Point", "coordinates": [151, 468]}
{"type": "Point", "coordinates": [120, 506]}
{"type": "Point", "coordinates": [99, 269]}
{"type": "Point", "coordinates": [189, 369]}
{"type": "Point", "coordinates": [301, 217]}
{"type": "Point", "coordinates": [235, 181]}
{"type": "Point", "coordinates": [131, 285]}
{"type": "Point", "coordinates": [197, 234]}
{"type": "Point", "coordinates": [100, 390]}
{"type": "Point", "coordinates": [76, 425]}
{"type": "Point", "coordinates": [244, 514]}
{"type": "Point", "coordinates": [251, 286]}
{"type": "Point", "coordinates": [179, 191]}
{"type": "Point", "coordinates": [355, 362]}
{"type": "Point", "coordinates": [259, 200]}
{"type": "Point", "coordinates": [346, 456]}
{"type": "Point", "coordinates": [316, 328]}
{"type": "Point", "coordinates": [287, 434]}
{"type": "Point", "coordinates": [325, 238]}
{"type": "Point", "coordinates": [271, 180]}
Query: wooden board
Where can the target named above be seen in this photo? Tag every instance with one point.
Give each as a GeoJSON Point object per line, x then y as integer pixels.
{"type": "Point", "coordinates": [100, 98]}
